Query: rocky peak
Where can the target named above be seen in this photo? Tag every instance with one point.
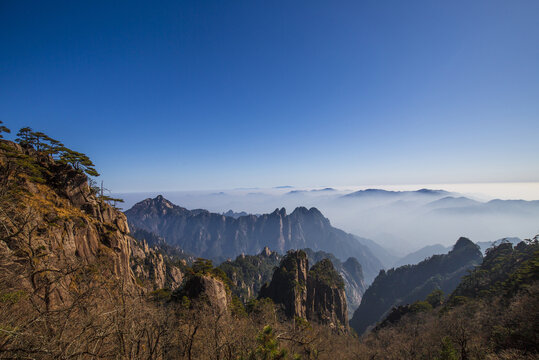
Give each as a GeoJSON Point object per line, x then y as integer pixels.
{"type": "Point", "coordinates": [158, 205]}
{"type": "Point", "coordinates": [410, 283]}
{"type": "Point", "coordinates": [280, 212]}
{"type": "Point", "coordinates": [300, 210]}
{"type": "Point", "coordinates": [266, 252]}
{"type": "Point", "coordinates": [163, 202]}
{"type": "Point", "coordinates": [326, 299]}
{"type": "Point", "coordinates": [288, 284]}
{"type": "Point", "coordinates": [353, 267]}
{"type": "Point", "coordinates": [214, 236]}
{"type": "Point", "coordinates": [316, 295]}
{"type": "Point", "coordinates": [463, 242]}
{"type": "Point", "coordinates": [312, 215]}
{"type": "Point", "coordinates": [208, 290]}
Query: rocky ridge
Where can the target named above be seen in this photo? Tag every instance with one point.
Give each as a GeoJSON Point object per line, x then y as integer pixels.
{"type": "Point", "coordinates": [219, 237]}
{"type": "Point", "coordinates": [411, 283]}
{"type": "Point", "coordinates": [316, 295]}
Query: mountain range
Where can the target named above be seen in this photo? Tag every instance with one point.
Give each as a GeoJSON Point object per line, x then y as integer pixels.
{"type": "Point", "coordinates": [399, 221]}
{"type": "Point", "coordinates": [219, 237]}
{"type": "Point", "coordinates": [410, 283]}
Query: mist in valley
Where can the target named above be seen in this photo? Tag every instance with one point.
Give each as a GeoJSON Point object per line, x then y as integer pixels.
{"type": "Point", "coordinates": [402, 221]}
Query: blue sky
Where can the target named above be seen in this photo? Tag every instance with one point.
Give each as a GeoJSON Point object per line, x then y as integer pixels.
{"type": "Point", "coordinates": [180, 95]}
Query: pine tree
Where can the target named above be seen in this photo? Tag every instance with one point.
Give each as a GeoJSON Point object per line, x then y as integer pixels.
{"type": "Point", "coordinates": [78, 161]}
{"type": "Point", "coordinates": [25, 137]}
{"type": "Point", "coordinates": [3, 129]}
{"type": "Point", "coordinates": [448, 351]}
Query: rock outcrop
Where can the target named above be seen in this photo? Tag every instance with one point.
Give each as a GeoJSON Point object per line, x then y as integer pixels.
{"type": "Point", "coordinates": [208, 290]}
{"type": "Point", "coordinates": [316, 295]}
{"type": "Point", "coordinates": [326, 299]}
{"type": "Point", "coordinates": [288, 286]}
{"type": "Point", "coordinates": [350, 271]}
{"type": "Point", "coordinates": [50, 211]}
{"type": "Point", "coordinates": [218, 237]}
{"type": "Point", "coordinates": [248, 273]}
{"type": "Point", "coordinates": [151, 268]}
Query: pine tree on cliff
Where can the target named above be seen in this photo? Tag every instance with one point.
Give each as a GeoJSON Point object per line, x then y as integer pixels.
{"type": "Point", "coordinates": [78, 161]}
{"type": "Point", "coordinates": [46, 145]}
{"type": "Point", "coordinates": [24, 136]}
{"type": "Point", "coordinates": [3, 129]}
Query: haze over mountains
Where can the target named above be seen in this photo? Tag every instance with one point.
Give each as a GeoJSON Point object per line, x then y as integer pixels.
{"type": "Point", "coordinates": [72, 258]}
{"type": "Point", "coordinates": [403, 221]}
{"type": "Point", "coordinates": [218, 237]}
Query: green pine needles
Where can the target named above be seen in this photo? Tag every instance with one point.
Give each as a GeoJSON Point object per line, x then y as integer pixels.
{"type": "Point", "coordinates": [45, 145]}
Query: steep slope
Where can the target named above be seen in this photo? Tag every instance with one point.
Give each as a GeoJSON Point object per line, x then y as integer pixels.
{"type": "Point", "coordinates": [217, 236]}
{"type": "Point", "coordinates": [351, 273]}
{"type": "Point", "coordinates": [66, 262]}
{"type": "Point", "coordinates": [492, 314]}
{"type": "Point", "coordinates": [153, 268]}
{"type": "Point", "coordinates": [414, 282]}
{"type": "Point", "coordinates": [506, 269]}
{"type": "Point", "coordinates": [386, 257]}
{"type": "Point", "coordinates": [326, 301]}
{"type": "Point", "coordinates": [316, 295]}
{"type": "Point", "coordinates": [50, 211]}
{"type": "Point", "coordinates": [248, 273]}
{"type": "Point", "coordinates": [421, 254]}
{"type": "Point", "coordinates": [288, 286]}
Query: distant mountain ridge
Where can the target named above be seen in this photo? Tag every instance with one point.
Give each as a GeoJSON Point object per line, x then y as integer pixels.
{"type": "Point", "coordinates": [378, 192]}
{"type": "Point", "coordinates": [236, 215]}
{"type": "Point", "coordinates": [216, 236]}
{"type": "Point", "coordinates": [438, 249]}
{"type": "Point", "coordinates": [421, 254]}
{"type": "Point", "coordinates": [468, 206]}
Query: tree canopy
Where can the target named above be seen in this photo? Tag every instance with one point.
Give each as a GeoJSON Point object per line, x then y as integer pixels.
{"type": "Point", "coordinates": [46, 145]}
{"type": "Point", "coordinates": [3, 129]}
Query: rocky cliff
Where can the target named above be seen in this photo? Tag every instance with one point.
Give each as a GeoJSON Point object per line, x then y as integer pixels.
{"type": "Point", "coordinates": [351, 273]}
{"type": "Point", "coordinates": [206, 289]}
{"type": "Point", "coordinates": [411, 283]}
{"type": "Point", "coordinates": [216, 236]}
{"type": "Point", "coordinates": [152, 269]}
{"type": "Point", "coordinates": [249, 272]}
{"type": "Point", "coordinates": [288, 286]}
{"type": "Point", "coordinates": [316, 295]}
{"type": "Point", "coordinates": [55, 228]}
{"type": "Point", "coordinates": [326, 299]}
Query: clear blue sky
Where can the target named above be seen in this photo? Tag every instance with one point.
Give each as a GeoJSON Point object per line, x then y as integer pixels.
{"type": "Point", "coordinates": [178, 95]}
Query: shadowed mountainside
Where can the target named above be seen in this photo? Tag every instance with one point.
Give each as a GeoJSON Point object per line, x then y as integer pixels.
{"type": "Point", "coordinates": [248, 273]}
{"type": "Point", "coordinates": [219, 237]}
{"type": "Point", "coordinates": [410, 283]}
{"type": "Point", "coordinates": [316, 295]}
